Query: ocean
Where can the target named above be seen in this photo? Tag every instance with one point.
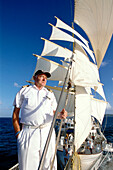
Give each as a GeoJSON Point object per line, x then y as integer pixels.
{"type": "Point", "coordinates": [8, 147]}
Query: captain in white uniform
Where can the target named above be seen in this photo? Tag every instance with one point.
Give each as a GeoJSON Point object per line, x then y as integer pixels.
{"type": "Point", "coordinates": [37, 106]}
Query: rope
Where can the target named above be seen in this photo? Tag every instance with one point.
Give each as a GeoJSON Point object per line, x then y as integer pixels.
{"type": "Point", "coordinates": [68, 165]}
{"type": "Point", "coordinates": [71, 10]}
{"type": "Point", "coordinates": [102, 160]}
{"type": "Point", "coordinates": [105, 124]}
{"type": "Point", "coordinates": [76, 161]}
{"type": "Point", "coordinates": [56, 144]}
{"type": "Point", "coordinates": [73, 162]}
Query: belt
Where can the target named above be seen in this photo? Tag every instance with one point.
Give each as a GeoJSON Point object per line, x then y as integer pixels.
{"type": "Point", "coordinates": [36, 127]}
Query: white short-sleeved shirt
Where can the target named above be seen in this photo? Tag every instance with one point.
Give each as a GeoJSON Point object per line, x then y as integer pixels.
{"type": "Point", "coordinates": [36, 105]}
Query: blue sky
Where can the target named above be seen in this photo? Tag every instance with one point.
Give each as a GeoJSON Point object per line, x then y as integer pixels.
{"type": "Point", "coordinates": [22, 24]}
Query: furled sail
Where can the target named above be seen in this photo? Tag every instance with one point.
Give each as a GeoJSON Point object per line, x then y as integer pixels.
{"type": "Point", "coordinates": [52, 49]}
{"type": "Point", "coordinates": [98, 109]}
{"type": "Point", "coordinates": [52, 67]}
{"type": "Point", "coordinates": [95, 17]}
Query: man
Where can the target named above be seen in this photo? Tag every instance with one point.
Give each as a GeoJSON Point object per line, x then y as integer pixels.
{"type": "Point", "coordinates": [37, 106]}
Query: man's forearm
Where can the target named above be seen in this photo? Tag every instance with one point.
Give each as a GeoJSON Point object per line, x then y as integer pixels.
{"type": "Point", "coordinates": [16, 119]}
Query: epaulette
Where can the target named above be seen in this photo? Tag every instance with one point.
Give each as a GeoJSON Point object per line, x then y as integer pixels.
{"type": "Point", "coordinates": [25, 86]}
{"type": "Point", "coordinates": [49, 90]}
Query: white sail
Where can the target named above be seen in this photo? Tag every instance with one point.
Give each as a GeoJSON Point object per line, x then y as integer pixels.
{"type": "Point", "coordinates": [95, 17]}
{"type": "Point", "coordinates": [83, 111]}
{"type": "Point", "coordinates": [57, 34]}
{"type": "Point", "coordinates": [82, 73]}
{"type": "Point", "coordinates": [61, 24]}
{"type": "Point", "coordinates": [100, 91]}
{"type": "Point", "coordinates": [52, 49]}
{"type": "Point", "coordinates": [95, 69]}
{"type": "Point", "coordinates": [88, 89]}
{"type": "Point", "coordinates": [98, 109]}
{"type": "Point", "coordinates": [64, 63]}
{"type": "Point", "coordinates": [70, 104]}
{"type": "Point", "coordinates": [82, 119]}
{"type": "Point", "coordinates": [54, 68]}
{"type": "Point", "coordinates": [86, 48]}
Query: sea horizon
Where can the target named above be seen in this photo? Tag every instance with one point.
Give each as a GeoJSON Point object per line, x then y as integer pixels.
{"type": "Point", "coordinates": [111, 114]}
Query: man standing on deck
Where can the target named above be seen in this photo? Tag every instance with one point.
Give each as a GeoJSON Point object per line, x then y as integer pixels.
{"type": "Point", "coordinates": [37, 106]}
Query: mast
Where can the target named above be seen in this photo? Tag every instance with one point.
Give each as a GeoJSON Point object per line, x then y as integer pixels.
{"type": "Point", "coordinates": [74, 96]}
{"type": "Point", "coordinates": [75, 92]}
{"type": "Point", "coordinates": [75, 158]}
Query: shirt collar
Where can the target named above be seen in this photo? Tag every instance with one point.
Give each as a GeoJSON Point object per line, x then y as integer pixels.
{"type": "Point", "coordinates": [37, 88]}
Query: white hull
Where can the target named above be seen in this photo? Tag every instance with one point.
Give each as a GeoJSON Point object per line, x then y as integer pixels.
{"type": "Point", "coordinates": [87, 162]}
{"type": "Point", "coordinates": [90, 162]}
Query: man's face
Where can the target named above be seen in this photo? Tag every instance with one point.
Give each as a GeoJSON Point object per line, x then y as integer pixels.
{"type": "Point", "coordinates": [40, 80]}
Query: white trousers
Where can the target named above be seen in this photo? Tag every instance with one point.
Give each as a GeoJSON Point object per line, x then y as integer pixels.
{"type": "Point", "coordinates": [31, 143]}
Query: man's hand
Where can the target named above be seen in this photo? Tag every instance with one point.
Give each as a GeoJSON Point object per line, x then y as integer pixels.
{"type": "Point", "coordinates": [62, 114]}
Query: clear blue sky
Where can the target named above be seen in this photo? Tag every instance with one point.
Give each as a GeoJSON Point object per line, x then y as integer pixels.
{"type": "Point", "coordinates": [22, 24]}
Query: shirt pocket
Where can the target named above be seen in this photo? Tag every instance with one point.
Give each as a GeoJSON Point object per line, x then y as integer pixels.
{"type": "Point", "coordinates": [47, 105]}
{"type": "Point", "coordinates": [28, 100]}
